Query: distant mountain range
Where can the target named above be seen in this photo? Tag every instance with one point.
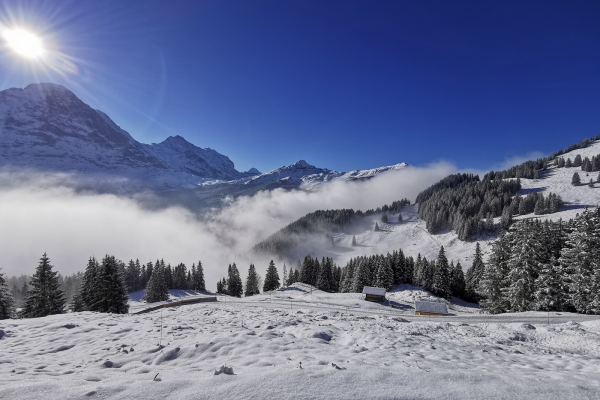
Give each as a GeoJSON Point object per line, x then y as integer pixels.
{"type": "Point", "coordinates": [46, 127]}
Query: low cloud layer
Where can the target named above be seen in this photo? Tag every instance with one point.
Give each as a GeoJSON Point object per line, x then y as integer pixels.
{"type": "Point", "coordinates": [44, 214]}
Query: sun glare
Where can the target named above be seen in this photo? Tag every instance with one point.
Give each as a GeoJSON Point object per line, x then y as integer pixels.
{"type": "Point", "coordinates": [23, 43]}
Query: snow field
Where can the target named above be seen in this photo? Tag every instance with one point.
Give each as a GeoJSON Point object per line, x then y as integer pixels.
{"type": "Point", "coordinates": [276, 352]}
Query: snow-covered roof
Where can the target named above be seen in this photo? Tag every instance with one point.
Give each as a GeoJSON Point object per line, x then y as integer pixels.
{"type": "Point", "coordinates": [431, 307]}
{"type": "Point", "coordinates": [375, 291]}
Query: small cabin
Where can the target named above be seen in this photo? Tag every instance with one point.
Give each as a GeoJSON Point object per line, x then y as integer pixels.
{"type": "Point", "coordinates": [428, 307]}
{"type": "Point", "coordinates": [374, 294]}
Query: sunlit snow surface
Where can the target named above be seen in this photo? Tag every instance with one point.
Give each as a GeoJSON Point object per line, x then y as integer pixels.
{"type": "Point", "coordinates": [379, 352]}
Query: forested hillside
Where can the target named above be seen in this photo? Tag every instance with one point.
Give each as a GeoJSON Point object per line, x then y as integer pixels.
{"type": "Point", "coordinates": [547, 266]}
{"type": "Point", "coordinates": [321, 223]}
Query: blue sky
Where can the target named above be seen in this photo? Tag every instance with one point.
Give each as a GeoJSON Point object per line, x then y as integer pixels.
{"type": "Point", "coordinates": [342, 84]}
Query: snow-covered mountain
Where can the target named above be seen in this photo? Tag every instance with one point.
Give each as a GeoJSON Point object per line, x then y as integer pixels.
{"type": "Point", "coordinates": [303, 174]}
{"type": "Point", "coordinates": [46, 127]}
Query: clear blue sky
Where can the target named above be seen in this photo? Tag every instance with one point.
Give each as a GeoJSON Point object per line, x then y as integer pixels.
{"type": "Point", "coordinates": [343, 84]}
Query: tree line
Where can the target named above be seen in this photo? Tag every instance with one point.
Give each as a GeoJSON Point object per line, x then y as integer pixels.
{"type": "Point", "coordinates": [103, 287]}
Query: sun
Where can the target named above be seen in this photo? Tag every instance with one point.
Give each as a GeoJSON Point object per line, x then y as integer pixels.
{"type": "Point", "coordinates": [24, 43]}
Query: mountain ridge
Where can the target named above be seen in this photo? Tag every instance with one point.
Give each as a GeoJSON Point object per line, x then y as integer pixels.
{"type": "Point", "coordinates": [46, 127]}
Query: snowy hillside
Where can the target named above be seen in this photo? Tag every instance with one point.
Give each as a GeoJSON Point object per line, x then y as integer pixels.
{"type": "Point", "coordinates": [297, 344]}
{"type": "Point", "coordinates": [412, 237]}
{"type": "Point", "coordinates": [558, 180]}
{"type": "Point", "coordinates": [46, 127]}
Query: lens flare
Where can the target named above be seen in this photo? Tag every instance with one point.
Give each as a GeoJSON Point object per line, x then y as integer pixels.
{"type": "Point", "coordinates": [23, 43]}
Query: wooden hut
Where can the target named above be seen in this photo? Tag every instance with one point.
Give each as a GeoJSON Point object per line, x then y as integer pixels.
{"type": "Point", "coordinates": [374, 294]}
{"type": "Point", "coordinates": [429, 307]}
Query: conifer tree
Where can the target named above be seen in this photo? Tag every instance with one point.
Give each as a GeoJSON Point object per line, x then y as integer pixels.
{"type": "Point", "coordinates": [384, 218]}
{"type": "Point", "coordinates": [307, 270]}
{"type": "Point", "coordinates": [235, 287]}
{"type": "Point", "coordinates": [284, 274]}
{"type": "Point", "coordinates": [88, 295]}
{"type": "Point", "coordinates": [291, 277]}
{"type": "Point", "coordinates": [252, 282]}
{"type": "Point", "coordinates": [474, 274]}
{"type": "Point", "coordinates": [44, 297]}
{"type": "Point", "coordinates": [7, 303]}
{"type": "Point", "coordinates": [399, 217]}
{"type": "Point", "coordinates": [441, 277]}
{"type": "Point", "coordinates": [112, 290]}
{"type": "Point", "coordinates": [325, 281]}
{"type": "Point", "coordinates": [354, 236]}
{"type": "Point", "coordinates": [348, 278]}
{"type": "Point", "coordinates": [457, 281]}
{"type": "Point", "coordinates": [77, 303]}
{"type": "Point", "coordinates": [385, 275]}
{"type": "Point", "coordinates": [576, 180]}
{"type": "Point", "coordinates": [523, 265]}
{"type": "Point", "coordinates": [494, 278]}
{"type": "Point", "coordinates": [157, 290]}
{"type": "Point", "coordinates": [198, 283]}
{"type": "Point", "coordinates": [581, 256]}
{"type": "Point", "coordinates": [271, 278]}
{"type": "Point", "coordinates": [361, 276]}
{"type": "Point", "coordinates": [376, 227]}
{"type": "Point", "coordinates": [550, 290]}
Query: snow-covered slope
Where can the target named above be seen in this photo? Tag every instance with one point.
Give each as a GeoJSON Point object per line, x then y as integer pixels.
{"type": "Point", "coordinates": [46, 127]}
{"type": "Point", "coordinates": [558, 180]}
{"type": "Point", "coordinates": [298, 346]}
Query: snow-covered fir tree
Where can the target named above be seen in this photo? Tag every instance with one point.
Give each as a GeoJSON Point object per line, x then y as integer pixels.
{"type": "Point", "coordinates": [252, 282]}
{"type": "Point", "coordinates": [7, 303]}
{"type": "Point", "coordinates": [157, 290]}
{"type": "Point", "coordinates": [235, 287]}
{"type": "Point", "coordinates": [271, 278]}
{"type": "Point", "coordinates": [474, 273]}
{"type": "Point", "coordinates": [524, 265]}
{"type": "Point", "coordinates": [385, 275]}
{"type": "Point", "coordinates": [441, 276]}
{"type": "Point", "coordinates": [44, 296]}
{"type": "Point", "coordinates": [581, 256]}
{"type": "Point", "coordinates": [325, 281]}
{"type": "Point", "coordinates": [112, 289]}
{"type": "Point", "coordinates": [362, 276]}
{"type": "Point", "coordinates": [494, 278]}
{"type": "Point", "coordinates": [198, 283]}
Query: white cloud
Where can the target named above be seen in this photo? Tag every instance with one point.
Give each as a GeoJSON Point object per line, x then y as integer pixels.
{"type": "Point", "coordinates": [40, 214]}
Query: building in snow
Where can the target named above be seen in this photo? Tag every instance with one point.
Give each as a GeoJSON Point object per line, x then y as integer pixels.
{"type": "Point", "coordinates": [429, 307]}
{"type": "Point", "coordinates": [374, 294]}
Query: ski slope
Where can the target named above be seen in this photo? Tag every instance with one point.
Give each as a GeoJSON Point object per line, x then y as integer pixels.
{"type": "Point", "coordinates": [309, 350]}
